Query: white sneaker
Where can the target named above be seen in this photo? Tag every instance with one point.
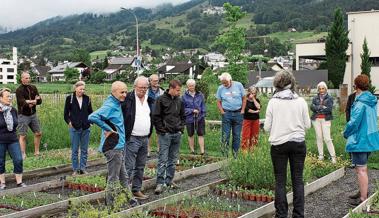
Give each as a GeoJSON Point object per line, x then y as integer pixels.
{"type": "Point", "coordinates": [320, 158]}
{"type": "Point", "coordinates": [334, 160]}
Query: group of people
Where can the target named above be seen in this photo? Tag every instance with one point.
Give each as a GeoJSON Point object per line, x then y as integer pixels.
{"type": "Point", "coordinates": [127, 120]}
{"type": "Point", "coordinates": [287, 120]}
{"type": "Point", "coordinates": [13, 122]}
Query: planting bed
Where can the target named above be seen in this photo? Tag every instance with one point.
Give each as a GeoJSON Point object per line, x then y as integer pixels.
{"type": "Point", "coordinates": [332, 200]}
{"type": "Point", "coordinates": [207, 206]}
{"type": "Point", "coordinates": [98, 197]}
{"type": "Point", "coordinates": [24, 201]}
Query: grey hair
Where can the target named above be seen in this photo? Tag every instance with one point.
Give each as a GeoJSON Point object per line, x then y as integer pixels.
{"type": "Point", "coordinates": [141, 78]}
{"type": "Point", "coordinates": [323, 84]}
{"type": "Point", "coordinates": [225, 76]}
{"type": "Point", "coordinates": [77, 84]}
{"type": "Point", "coordinates": [153, 75]}
{"type": "Point", "coordinates": [284, 80]}
{"type": "Point", "coordinates": [190, 81]}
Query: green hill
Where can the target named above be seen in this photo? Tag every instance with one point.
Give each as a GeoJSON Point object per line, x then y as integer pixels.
{"type": "Point", "coordinates": [179, 27]}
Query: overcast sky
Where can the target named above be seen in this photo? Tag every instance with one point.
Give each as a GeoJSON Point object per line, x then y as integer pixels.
{"type": "Point", "coordinates": [23, 13]}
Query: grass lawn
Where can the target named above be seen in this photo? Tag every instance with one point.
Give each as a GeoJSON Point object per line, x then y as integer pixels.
{"type": "Point", "coordinates": [100, 54]}
{"type": "Point", "coordinates": [297, 37]}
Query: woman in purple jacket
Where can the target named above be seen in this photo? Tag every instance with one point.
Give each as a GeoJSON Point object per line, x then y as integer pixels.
{"type": "Point", "coordinates": [194, 110]}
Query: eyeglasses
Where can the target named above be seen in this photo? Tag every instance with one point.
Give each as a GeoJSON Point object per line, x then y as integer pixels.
{"type": "Point", "coordinates": [143, 87]}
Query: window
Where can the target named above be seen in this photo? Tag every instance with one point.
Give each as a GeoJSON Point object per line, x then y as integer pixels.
{"type": "Point", "coordinates": [1, 69]}
{"type": "Point", "coordinates": [1, 76]}
{"type": "Point", "coordinates": [374, 61]}
{"type": "Point", "coordinates": [10, 69]}
{"type": "Point", "coordinates": [10, 77]}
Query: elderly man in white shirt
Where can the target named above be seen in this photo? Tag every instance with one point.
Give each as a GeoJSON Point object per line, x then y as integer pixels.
{"type": "Point", "coordinates": [138, 126]}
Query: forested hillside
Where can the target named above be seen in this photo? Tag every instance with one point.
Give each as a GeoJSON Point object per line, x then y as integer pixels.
{"type": "Point", "coordinates": [178, 27]}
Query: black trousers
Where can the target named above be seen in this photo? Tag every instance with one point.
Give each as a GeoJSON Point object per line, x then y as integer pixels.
{"type": "Point", "coordinates": [295, 153]}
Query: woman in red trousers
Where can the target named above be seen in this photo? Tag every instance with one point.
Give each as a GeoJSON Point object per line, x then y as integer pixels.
{"type": "Point", "coordinates": [250, 126]}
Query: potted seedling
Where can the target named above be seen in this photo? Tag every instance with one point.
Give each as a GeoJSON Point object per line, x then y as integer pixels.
{"type": "Point", "coordinates": [270, 196]}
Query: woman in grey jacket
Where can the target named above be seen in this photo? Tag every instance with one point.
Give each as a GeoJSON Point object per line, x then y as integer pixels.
{"type": "Point", "coordinates": [322, 107]}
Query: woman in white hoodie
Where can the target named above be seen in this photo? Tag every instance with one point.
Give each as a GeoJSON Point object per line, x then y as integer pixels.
{"type": "Point", "coordinates": [286, 121]}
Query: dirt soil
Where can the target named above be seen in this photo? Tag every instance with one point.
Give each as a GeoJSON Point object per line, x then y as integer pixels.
{"type": "Point", "coordinates": [332, 200]}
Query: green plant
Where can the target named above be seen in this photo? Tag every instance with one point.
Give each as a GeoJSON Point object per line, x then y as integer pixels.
{"type": "Point", "coordinates": [30, 199]}
{"type": "Point", "coordinates": [98, 181]}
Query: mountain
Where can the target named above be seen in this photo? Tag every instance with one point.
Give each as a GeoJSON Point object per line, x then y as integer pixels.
{"type": "Point", "coordinates": [3, 30]}
{"type": "Point", "coordinates": [179, 27]}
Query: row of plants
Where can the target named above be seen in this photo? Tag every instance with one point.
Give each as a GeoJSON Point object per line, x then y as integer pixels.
{"type": "Point", "coordinates": [254, 171]}
{"type": "Point", "coordinates": [87, 183]}
{"type": "Point", "coordinates": [49, 158]}
{"type": "Point", "coordinates": [29, 200]}
{"type": "Point", "coordinates": [233, 191]}
{"type": "Point", "coordinates": [204, 206]}
{"type": "Point", "coordinates": [79, 209]}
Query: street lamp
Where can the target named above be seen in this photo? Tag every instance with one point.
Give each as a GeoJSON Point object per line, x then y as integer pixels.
{"type": "Point", "coordinates": [138, 53]}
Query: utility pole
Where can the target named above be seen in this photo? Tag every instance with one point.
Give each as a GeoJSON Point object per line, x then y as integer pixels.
{"type": "Point", "coordinates": [138, 57]}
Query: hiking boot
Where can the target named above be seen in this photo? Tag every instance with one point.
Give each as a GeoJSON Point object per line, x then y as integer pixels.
{"type": "Point", "coordinates": [173, 186]}
{"type": "Point", "coordinates": [158, 189]}
{"type": "Point", "coordinates": [2, 186]}
{"type": "Point", "coordinates": [140, 196]}
{"type": "Point", "coordinates": [355, 202]}
{"type": "Point", "coordinates": [21, 185]}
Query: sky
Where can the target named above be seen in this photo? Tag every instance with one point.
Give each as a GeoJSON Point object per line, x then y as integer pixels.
{"type": "Point", "coordinates": [16, 14]}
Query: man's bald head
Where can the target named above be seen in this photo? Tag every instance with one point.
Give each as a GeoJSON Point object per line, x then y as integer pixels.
{"type": "Point", "coordinates": [25, 78]}
{"type": "Point", "coordinates": [119, 90]}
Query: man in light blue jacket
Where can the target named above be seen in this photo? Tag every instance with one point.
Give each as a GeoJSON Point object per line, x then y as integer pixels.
{"type": "Point", "coordinates": [109, 118]}
{"type": "Point", "coordinates": [362, 134]}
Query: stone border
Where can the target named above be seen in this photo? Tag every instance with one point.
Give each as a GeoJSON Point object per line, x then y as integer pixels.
{"type": "Point", "coordinates": [265, 210]}
{"type": "Point", "coordinates": [363, 206]}
{"type": "Point", "coordinates": [148, 184]}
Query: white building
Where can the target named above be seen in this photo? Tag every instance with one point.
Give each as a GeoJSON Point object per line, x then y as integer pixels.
{"type": "Point", "coordinates": [57, 73]}
{"type": "Point", "coordinates": [8, 69]}
{"type": "Point", "coordinates": [360, 25]}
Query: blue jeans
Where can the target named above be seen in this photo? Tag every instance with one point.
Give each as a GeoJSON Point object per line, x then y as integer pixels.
{"type": "Point", "coordinates": [231, 121]}
{"type": "Point", "coordinates": [169, 145]}
{"type": "Point", "coordinates": [135, 160]}
{"type": "Point", "coordinates": [15, 153]}
{"type": "Point", "coordinates": [294, 152]}
{"type": "Point", "coordinates": [79, 138]}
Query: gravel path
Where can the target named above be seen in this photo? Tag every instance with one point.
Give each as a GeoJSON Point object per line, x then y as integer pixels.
{"type": "Point", "coordinates": [332, 200]}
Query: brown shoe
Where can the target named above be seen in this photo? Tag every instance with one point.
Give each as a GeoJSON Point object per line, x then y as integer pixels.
{"type": "Point", "coordinates": [140, 196]}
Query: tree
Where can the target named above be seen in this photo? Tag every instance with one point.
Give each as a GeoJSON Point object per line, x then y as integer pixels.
{"type": "Point", "coordinates": [98, 77]}
{"type": "Point", "coordinates": [336, 44]}
{"type": "Point", "coordinates": [81, 55]}
{"type": "Point", "coordinates": [71, 74]}
{"type": "Point", "coordinates": [234, 41]}
{"type": "Point", "coordinates": [366, 64]}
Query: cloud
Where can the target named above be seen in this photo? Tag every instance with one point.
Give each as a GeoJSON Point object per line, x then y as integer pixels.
{"type": "Point", "coordinates": [23, 13]}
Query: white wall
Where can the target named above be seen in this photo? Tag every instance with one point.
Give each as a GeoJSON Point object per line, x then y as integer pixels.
{"type": "Point", "coordinates": [361, 25]}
